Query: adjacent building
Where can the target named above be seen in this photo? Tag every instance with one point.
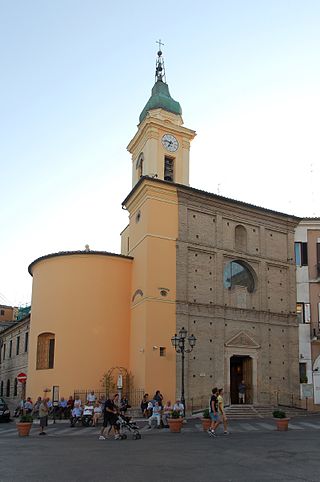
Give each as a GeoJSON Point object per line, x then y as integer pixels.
{"type": "Point", "coordinates": [14, 347]}
{"type": "Point", "coordinates": [307, 258]}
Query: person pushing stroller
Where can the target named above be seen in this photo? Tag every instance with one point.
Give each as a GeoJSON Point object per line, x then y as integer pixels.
{"type": "Point", "coordinates": [110, 417]}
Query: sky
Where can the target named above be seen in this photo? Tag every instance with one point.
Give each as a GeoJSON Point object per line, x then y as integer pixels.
{"type": "Point", "coordinates": [75, 75]}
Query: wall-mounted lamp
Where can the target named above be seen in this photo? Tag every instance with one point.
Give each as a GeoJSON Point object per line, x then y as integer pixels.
{"type": "Point", "coordinates": [155, 347]}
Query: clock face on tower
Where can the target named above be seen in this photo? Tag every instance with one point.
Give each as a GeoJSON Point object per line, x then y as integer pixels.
{"type": "Point", "coordinates": [170, 143]}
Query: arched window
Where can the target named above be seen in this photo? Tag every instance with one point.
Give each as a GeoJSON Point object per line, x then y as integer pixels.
{"type": "Point", "coordinates": [8, 388]}
{"type": "Point", "coordinates": [1, 389]}
{"type": "Point", "coordinates": [139, 165]}
{"type": "Point", "coordinates": [240, 238]}
{"type": "Point", "coordinates": [45, 351]}
{"type": "Point", "coordinates": [15, 387]}
{"type": "Point", "coordinates": [237, 273]}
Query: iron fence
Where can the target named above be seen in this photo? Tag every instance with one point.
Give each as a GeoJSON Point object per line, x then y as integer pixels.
{"type": "Point", "coordinates": [133, 395]}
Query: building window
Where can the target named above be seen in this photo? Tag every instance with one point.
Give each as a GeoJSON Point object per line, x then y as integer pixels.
{"type": "Point", "coordinates": [4, 351]}
{"type": "Point", "coordinates": [26, 341]}
{"type": "Point", "coordinates": [45, 351]}
{"type": "Point", "coordinates": [303, 373]}
{"type": "Point", "coordinates": [10, 349]}
{"type": "Point", "coordinates": [319, 314]}
{"type": "Point", "coordinates": [162, 351]}
{"type": "Point", "coordinates": [303, 312]}
{"type": "Point", "coordinates": [15, 388]}
{"type": "Point", "coordinates": [237, 273]}
{"type": "Point", "coordinates": [139, 165]}
{"type": "Point", "coordinates": [301, 254]}
{"type": "Point", "coordinates": [1, 389]}
{"type": "Point", "coordinates": [2, 312]}
{"type": "Point", "coordinates": [168, 169]}
{"type": "Point", "coordinates": [318, 259]}
{"type": "Point", "coordinates": [240, 236]}
{"type": "Point", "coordinates": [18, 345]}
{"type": "Point", "coordinates": [8, 388]}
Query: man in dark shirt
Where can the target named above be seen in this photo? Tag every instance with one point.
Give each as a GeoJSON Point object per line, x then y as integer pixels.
{"type": "Point", "coordinates": [110, 417]}
{"type": "Point", "coordinates": [214, 412]}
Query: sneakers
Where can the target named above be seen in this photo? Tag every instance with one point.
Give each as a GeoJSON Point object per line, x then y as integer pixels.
{"type": "Point", "coordinates": [102, 437]}
{"type": "Point", "coordinates": [117, 437]}
{"type": "Point", "coordinates": [42, 433]}
{"type": "Point", "coordinates": [149, 427]}
{"type": "Point", "coordinates": [226, 433]}
{"type": "Point", "coordinates": [212, 433]}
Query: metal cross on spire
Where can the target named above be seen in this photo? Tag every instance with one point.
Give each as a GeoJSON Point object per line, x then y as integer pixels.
{"type": "Point", "coordinates": [160, 43]}
{"type": "Point", "coordinates": [160, 71]}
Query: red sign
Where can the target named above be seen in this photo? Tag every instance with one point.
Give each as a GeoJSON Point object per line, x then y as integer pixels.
{"type": "Point", "coordinates": [22, 377]}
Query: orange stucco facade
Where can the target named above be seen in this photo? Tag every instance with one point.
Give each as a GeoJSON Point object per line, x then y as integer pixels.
{"type": "Point", "coordinates": [83, 299]}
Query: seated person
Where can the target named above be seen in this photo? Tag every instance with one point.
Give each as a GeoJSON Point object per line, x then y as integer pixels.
{"type": "Point", "coordinates": [178, 407]}
{"type": "Point", "coordinates": [97, 412]}
{"type": "Point", "coordinates": [156, 414]}
{"type": "Point", "coordinates": [76, 412]}
{"type": "Point", "coordinates": [62, 408]}
{"type": "Point", "coordinates": [28, 406]}
{"type": "Point", "coordinates": [166, 413]}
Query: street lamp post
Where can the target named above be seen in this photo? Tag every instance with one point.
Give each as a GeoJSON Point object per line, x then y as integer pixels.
{"type": "Point", "coordinates": [179, 344]}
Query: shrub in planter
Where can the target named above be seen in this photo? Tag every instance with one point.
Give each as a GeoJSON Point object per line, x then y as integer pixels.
{"type": "Point", "coordinates": [24, 425]}
{"type": "Point", "coordinates": [282, 421]}
{"type": "Point", "coordinates": [175, 421]}
{"type": "Point", "coordinates": [206, 420]}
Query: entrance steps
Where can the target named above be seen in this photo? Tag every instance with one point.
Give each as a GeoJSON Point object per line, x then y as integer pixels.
{"type": "Point", "coordinates": [238, 412]}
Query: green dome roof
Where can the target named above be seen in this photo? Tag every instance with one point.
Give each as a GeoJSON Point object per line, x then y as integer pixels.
{"type": "Point", "coordinates": [161, 98]}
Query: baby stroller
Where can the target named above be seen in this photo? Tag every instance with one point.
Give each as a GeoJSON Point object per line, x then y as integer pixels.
{"type": "Point", "coordinates": [125, 423]}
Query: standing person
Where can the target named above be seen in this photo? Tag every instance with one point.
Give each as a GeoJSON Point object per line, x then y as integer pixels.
{"type": "Point", "coordinates": [214, 412]}
{"type": "Point", "coordinates": [242, 392]}
{"type": "Point", "coordinates": [91, 398]}
{"type": "Point", "coordinates": [222, 412]}
{"type": "Point", "coordinates": [158, 397]}
{"type": "Point", "coordinates": [110, 417]}
{"type": "Point", "coordinates": [43, 415]}
{"type": "Point", "coordinates": [144, 404]}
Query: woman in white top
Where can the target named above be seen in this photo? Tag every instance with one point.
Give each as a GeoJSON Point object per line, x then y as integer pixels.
{"type": "Point", "coordinates": [97, 412]}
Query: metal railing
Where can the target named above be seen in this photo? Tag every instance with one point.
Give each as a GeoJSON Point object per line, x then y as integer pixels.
{"type": "Point", "coordinates": [133, 395]}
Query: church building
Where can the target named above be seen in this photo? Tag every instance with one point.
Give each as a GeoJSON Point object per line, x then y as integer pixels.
{"type": "Point", "coordinates": [222, 269]}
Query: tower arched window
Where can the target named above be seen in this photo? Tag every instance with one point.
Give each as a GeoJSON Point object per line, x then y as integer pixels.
{"type": "Point", "coordinates": [45, 351]}
{"type": "Point", "coordinates": [238, 273]}
{"type": "Point", "coordinates": [240, 238]}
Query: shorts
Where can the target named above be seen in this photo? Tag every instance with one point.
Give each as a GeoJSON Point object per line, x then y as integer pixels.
{"type": "Point", "coordinates": [110, 419]}
{"type": "Point", "coordinates": [43, 421]}
{"type": "Point", "coordinates": [214, 417]}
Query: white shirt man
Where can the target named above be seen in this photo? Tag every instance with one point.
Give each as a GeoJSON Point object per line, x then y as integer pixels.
{"type": "Point", "coordinates": [178, 407]}
{"type": "Point", "coordinates": [156, 414]}
{"type": "Point", "coordinates": [91, 397]}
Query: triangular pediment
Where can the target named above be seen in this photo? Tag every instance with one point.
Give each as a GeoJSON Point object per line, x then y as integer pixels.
{"type": "Point", "coordinates": [242, 340]}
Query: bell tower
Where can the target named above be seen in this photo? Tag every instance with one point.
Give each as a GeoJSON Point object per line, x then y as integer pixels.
{"type": "Point", "coordinates": [160, 147]}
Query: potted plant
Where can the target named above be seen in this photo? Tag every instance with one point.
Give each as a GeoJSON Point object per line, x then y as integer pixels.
{"type": "Point", "coordinates": [175, 421]}
{"type": "Point", "coordinates": [24, 425]}
{"type": "Point", "coordinates": [206, 420]}
{"type": "Point", "coordinates": [281, 420]}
